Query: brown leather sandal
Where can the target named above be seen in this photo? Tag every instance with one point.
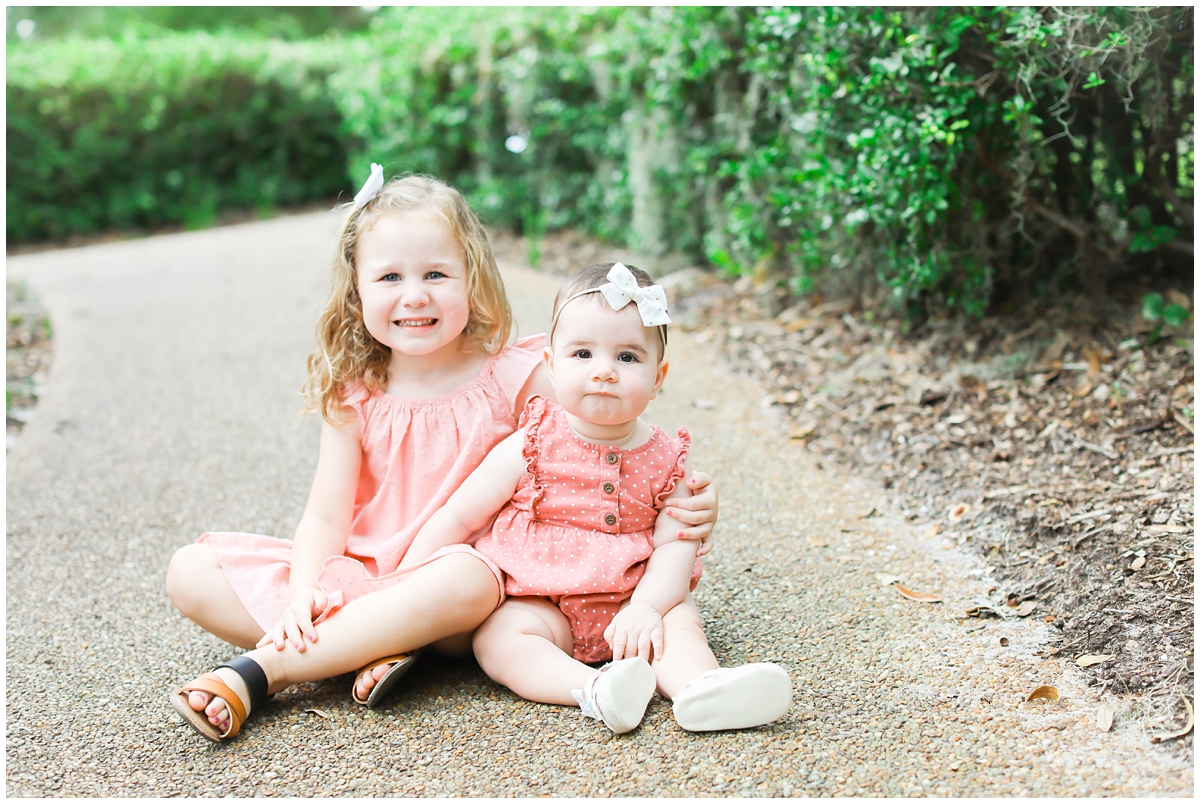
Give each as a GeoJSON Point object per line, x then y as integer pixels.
{"type": "Point", "coordinates": [403, 663]}
{"type": "Point", "coordinates": [256, 683]}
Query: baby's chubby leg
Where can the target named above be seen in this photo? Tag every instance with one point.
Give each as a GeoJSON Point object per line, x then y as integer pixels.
{"type": "Point", "coordinates": [686, 654]}
{"type": "Point", "coordinates": [710, 698]}
{"type": "Point", "coordinates": [526, 645]}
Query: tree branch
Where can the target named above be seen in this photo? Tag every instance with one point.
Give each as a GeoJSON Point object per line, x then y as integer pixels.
{"type": "Point", "coordinates": [1081, 231]}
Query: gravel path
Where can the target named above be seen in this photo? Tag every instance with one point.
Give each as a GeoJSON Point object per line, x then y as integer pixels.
{"type": "Point", "coordinates": [172, 408]}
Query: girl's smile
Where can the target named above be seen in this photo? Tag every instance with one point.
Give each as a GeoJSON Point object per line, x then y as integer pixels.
{"type": "Point", "coordinates": [412, 280]}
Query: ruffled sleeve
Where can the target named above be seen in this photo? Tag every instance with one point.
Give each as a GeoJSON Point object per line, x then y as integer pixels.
{"type": "Point", "coordinates": [359, 401]}
{"type": "Point", "coordinates": [531, 420]}
{"type": "Point", "coordinates": [515, 363]}
{"type": "Point", "coordinates": [678, 470]}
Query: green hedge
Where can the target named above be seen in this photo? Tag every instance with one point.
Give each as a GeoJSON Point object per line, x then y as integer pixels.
{"type": "Point", "coordinates": [142, 132]}
{"type": "Point", "coordinates": [959, 156]}
{"type": "Point", "coordinates": [951, 152]}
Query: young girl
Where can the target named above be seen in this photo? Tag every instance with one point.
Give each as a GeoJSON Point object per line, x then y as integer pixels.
{"type": "Point", "coordinates": [416, 385]}
{"type": "Point", "coordinates": [594, 569]}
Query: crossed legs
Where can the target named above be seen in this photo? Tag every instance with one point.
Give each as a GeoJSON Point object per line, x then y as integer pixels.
{"type": "Point", "coordinates": [441, 602]}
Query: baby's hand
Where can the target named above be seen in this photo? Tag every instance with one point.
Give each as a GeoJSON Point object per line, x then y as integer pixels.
{"type": "Point", "coordinates": [637, 630]}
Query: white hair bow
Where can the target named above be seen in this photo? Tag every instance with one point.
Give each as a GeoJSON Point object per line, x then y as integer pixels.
{"type": "Point", "coordinates": [369, 190]}
{"type": "Point", "coordinates": [651, 302]}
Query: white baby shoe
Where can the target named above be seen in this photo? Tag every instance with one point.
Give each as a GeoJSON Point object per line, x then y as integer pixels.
{"type": "Point", "coordinates": [734, 698]}
{"type": "Point", "coordinates": [617, 694]}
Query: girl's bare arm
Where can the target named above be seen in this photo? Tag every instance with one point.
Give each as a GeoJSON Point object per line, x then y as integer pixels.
{"type": "Point", "coordinates": [481, 495]}
{"type": "Point", "coordinates": [322, 531]}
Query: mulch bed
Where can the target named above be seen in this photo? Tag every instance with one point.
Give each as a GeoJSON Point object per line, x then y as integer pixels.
{"type": "Point", "coordinates": [1056, 443]}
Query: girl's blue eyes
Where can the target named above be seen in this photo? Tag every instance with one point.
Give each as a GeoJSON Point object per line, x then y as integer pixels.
{"type": "Point", "coordinates": [394, 277]}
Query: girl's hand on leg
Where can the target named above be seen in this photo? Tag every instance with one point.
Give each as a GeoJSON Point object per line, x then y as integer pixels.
{"type": "Point", "coordinates": [698, 512]}
{"type": "Point", "coordinates": [296, 625]}
{"type": "Point", "coordinates": [637, 630]}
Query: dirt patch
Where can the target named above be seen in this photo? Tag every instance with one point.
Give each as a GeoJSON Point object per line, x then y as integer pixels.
{"type": "Point", "coordinates": [1056, 443]}
{"type": "Point", "coordinates": [27, 357]}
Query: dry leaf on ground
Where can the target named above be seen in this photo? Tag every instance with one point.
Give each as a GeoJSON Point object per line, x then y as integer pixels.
{"type": "Point", "coordinates": [1045, 693]}
{"type": "Point", "coordinates": [317, 712]}
{"type": "Point", "coordinates": [983, 609]}
{"type": "Point", "coordinates": [1027, 608]}
{"type": "Point", "coordinates": [886, 580]}
{"type": "Point", "coordinates": [929, 534]}
{"type": "Point", "coordinates": [1171, 735]}
{"type": "Point", "coordinates": [1088, 659]}
{"type": "Point", "coordinates": [920, 597]}
{"type": "Point", "coordinates": [1138, 563]}
{"type": "Point", "coordinates": [1104, 717]}
{"type": "Point", "coordinates": [815, 542]}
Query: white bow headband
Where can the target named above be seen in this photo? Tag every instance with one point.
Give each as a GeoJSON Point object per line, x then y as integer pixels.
{"type": "Point", "coordinates": [621, 290]}
{"type": "Point", "coordinates": [372, 187]}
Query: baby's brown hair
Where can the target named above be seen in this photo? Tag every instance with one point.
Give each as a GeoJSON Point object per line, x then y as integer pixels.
{"type": "Point", "coordinates": [591, 277]}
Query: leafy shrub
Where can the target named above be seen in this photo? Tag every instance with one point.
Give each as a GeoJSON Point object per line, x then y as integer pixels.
{"type": "Point", "coordinates": [143, 132]}
{"type": "Point", "coordinates": [276, 22]}
{"type": "Point", "coordinates": [441, 93]}
{"type": "Point", "coordinates": [959, 156]}
{"type": "Point", "coordinates": [951, 152]}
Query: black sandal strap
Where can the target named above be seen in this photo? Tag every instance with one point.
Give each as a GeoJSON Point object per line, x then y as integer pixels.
{"type": "Point", "coordinates": [253, 675]}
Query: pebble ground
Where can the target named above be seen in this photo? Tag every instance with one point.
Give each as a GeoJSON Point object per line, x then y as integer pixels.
{"type": "Point", "coordinates": [172, 409]}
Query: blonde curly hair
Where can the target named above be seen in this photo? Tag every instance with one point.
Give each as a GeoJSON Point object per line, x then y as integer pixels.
{"type": "Point", "coordinates": [346, 353]}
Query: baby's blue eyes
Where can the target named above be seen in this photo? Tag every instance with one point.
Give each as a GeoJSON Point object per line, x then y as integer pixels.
{"type": "Point", "coordinates": [624, 357]}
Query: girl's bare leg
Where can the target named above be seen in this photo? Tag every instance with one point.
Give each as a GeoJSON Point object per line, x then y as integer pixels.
{"type": "Point", "coordinates": [447, 597]}
{"type": "Point", "coordinates": [197, 585]}
{"type": "Point", "coordinates": [685, 649]}
{"type": "Point", "coordinates": [526, 646]}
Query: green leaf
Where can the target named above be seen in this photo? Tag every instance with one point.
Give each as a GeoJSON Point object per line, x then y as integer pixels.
{"type": "Point", "coordinates": [1141, 243]}
{"type": "Point", "coordinates": [1152, 306]}
{"type": "Point", "coordinates": [1150, 239]}
{"type": "Point", "coordinates": [1093, 81]}
{"type": "Point", "coordinates": [1175, 315]}
{"type": "Point", "coordinates": [1140, 215]}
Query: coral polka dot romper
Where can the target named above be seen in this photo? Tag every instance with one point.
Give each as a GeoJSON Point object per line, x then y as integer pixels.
{"type": "Point", "coordinates": [580, 526]}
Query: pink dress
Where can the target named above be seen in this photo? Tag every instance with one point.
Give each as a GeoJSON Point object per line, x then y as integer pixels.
{"type": "Point", "coordinates": [416, 453]}
{"type": "Point", "coordinates": [580, 526]}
